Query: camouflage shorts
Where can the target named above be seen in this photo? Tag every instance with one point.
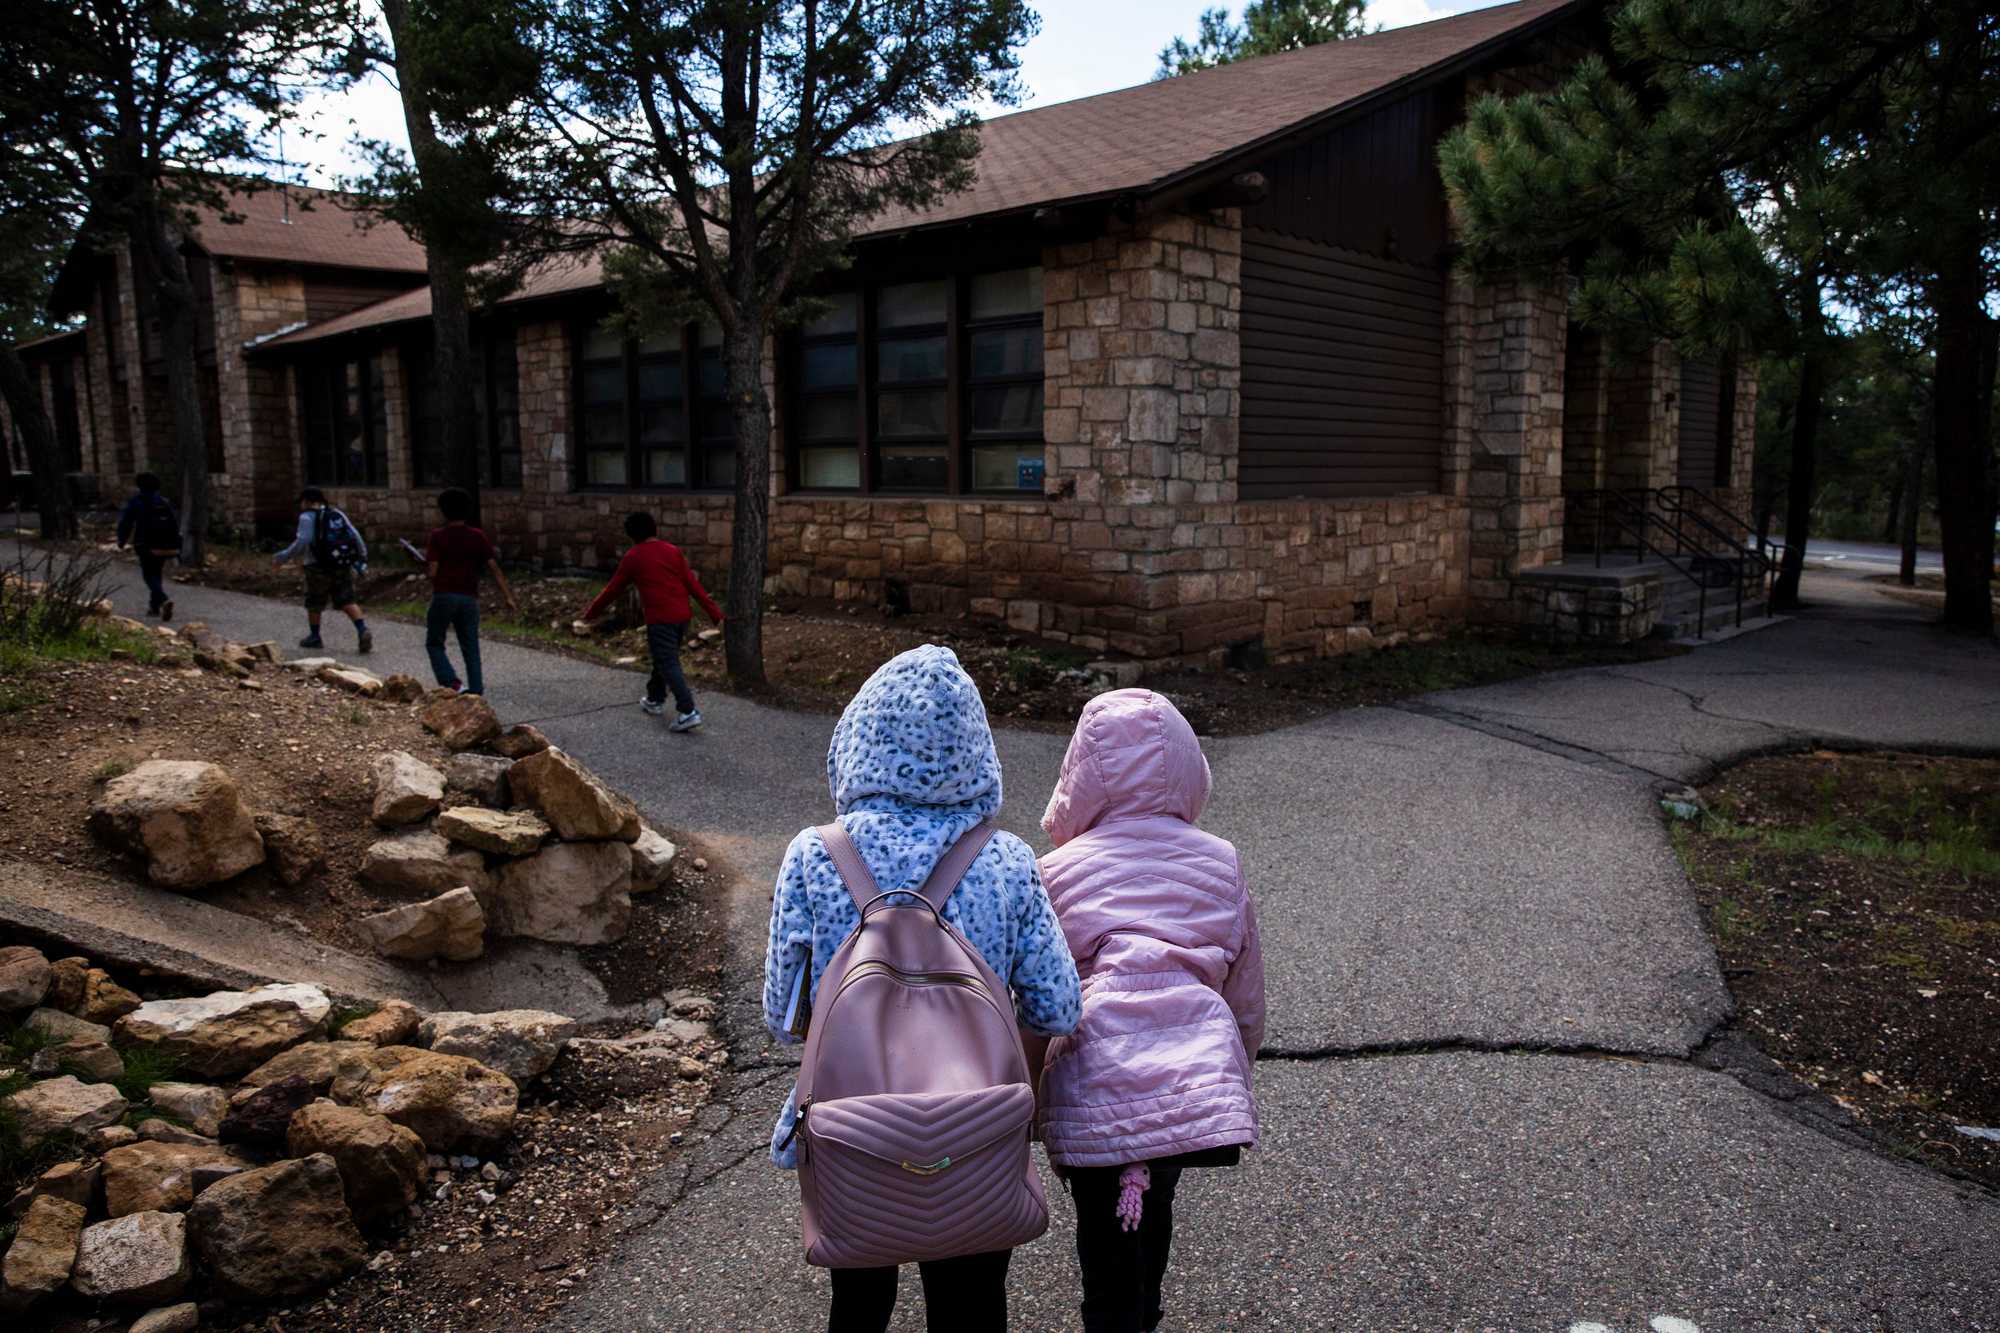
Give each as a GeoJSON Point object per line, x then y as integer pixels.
{"type": "Point", "coordinates": [328, 587]}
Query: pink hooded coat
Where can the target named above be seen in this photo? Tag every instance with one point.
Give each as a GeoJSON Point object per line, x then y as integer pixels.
{"type": "Point", "coordinates": [1165, 940]}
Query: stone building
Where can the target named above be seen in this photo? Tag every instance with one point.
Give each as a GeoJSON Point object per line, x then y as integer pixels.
{"type": "Point", "coordinates": [1185, 372]}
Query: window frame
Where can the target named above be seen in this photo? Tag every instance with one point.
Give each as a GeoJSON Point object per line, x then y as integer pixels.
{"type": "Point", "coordinates": [693, 406]}
{"type": "Point", "coordinates": [328, 374]}
{"type": "Point", "coordinates": [417, 359]}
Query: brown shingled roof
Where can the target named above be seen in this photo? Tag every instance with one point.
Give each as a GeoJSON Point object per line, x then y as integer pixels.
{"type": "Point", "coordinates": [553, 278]}
{"type": "Point", "coordinates": [294, 224]}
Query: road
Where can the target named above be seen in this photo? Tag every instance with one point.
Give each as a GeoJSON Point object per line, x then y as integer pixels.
{"type": "Point", "coordinates": [1870, 557]}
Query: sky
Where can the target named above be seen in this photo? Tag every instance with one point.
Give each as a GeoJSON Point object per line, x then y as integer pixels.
{"type": "Point", "coordinates": [1084, 47]}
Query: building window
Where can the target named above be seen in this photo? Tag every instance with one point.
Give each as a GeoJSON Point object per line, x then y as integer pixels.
{"type": "Point", "coordinates": [495, 410]}
{"type": "Point", "coordinates": [346, 421]}
{"type": "Point", "coordinates": [928, 387]}
{"type": "Point", "coordinates": [651, 412]}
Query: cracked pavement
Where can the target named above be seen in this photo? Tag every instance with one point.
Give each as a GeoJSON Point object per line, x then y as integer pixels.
{"type": "Point", "coordinates": [1486, 977]}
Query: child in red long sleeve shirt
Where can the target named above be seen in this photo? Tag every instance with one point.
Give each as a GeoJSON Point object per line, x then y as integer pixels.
{"type": "Point", "coordinates": [664, 580]}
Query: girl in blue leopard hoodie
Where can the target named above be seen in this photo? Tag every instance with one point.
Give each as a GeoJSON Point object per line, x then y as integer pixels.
{"type": "Point", "coordinates": [911, 768]}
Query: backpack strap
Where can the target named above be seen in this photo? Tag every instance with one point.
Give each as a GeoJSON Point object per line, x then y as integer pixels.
{"type": "Point", "coordinates": [847, 863]}
{"type": "Point", "coordinates": [951, 867]}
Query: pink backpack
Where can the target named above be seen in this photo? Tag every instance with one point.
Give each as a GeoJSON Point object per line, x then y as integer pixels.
{"type": "Point", "coordinates": [914, 1106]}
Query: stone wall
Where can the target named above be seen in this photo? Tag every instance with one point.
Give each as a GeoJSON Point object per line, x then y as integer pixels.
{"type": "Point", "coordinates": [260, 475]}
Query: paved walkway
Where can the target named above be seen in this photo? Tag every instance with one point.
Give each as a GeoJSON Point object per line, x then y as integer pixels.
{"type": "Point", "coordinates": [1486, 978]}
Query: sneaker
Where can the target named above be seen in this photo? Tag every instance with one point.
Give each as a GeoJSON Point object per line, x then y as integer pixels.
{"type": "Point", "coordinates": [167, 609]}
{"type": "Point", "coordinates": [687, 721]}
{"type": "Point", "coordinates": [651, 709]}
{"type": "Point", "coordinates": [366, 644]}
{"type": "Point", "coordinates": [312, 641]}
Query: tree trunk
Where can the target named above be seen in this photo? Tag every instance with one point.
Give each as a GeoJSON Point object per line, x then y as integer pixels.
{"type": "Point", "coordinates": [163, 271]}
{"type": "Point", "coordinates": [1913, 510]}
{"type": "Point", "coordinates": [750, 534]}
{"type": "Point", "coordinates": [24, 404]}
{"type": "Point", "coordinates": [451, 319]}
{"type": "Point", "coordinates": [1961, 399]}
{"type": "Point", "coordinates": [1799, 488]}
{"type": "Point", "coordinates": [1892, 523]}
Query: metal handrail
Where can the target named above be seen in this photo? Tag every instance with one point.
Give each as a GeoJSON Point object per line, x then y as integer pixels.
{"type": "Point", "coordinates": [1637, 505]}
{"type": "Point", "coordinates": [1676, 498]}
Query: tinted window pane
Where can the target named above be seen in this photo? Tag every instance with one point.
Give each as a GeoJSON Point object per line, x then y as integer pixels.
{"type": "Point", "coordinates": [1007, 468]}
{"type": "Point", "coordinates": [657, 425]}
{"type": "Point", "coordinates": [1015, 292]}
{"type": "Point", "coordinates": [603, 384]}
{"type": "Point", "coordinates": [910, 303]}
{"type": "Point", "coordinates": [709, 335]}
{"type": "Point", "coordinates": [907, 469]}
{"type": "Point", "coordinates": [719, 467]}
{"type": "Point", "coordinates": [666, 467]}
{"type": "Point", "coordinates": [827, 418]}
{"type": "Point", "coordinates": [660, 379]}
{"type": "Point", "coordinates": [830, 469]}
{"type": "Point", "coordinates": [826, 365]}
{"type": "Point", "coordinates": [910, 359]}
{"type": "Point", "coordinates": [1006, 352]}
{"type": "Point", "coordinates": [601, 343]}
{"type": "Point", "coordinates": [1013, 409]}
{"type": "Point", "coordinates": [839, 318]}
{"type": "Point", "coordinates": [604, 428]}
{"type": "Point", "coordinates": [667, 343]}
{"type": "Point", "coordinates": [911, 412]}
{"type": "Point", "coordinates": [605, 469]}
{"type": "Point", "coordinates": [714, 375]}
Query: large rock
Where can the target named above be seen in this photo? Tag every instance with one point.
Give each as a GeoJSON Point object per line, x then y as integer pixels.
{"type": "Point", "coordinates": [652, 858]}
{"type": "Point", "coordinates": [54, 1025]}
{"type": "Point", "coordinates": [352, 679]}
{"type": "Point", "coordinates": [461, 721]}
{"type": "Point", "coordinates": [185, 817]}
{"type": "Point", "coordinates": [291, 846]}
{"type": "Point", "coordinates": [138, 1259]}
{"type": "Point", "coordinates": [519, 741]}
{"type": "Point", "coordinates": [149, 1177]}
{"type": "Point", "coordinates": [67, 979]}
{"type": "Point", "coordinates": [394, 1024]}
{"type": "Point", "coordinates": [407, 789]}
{"type": "Point", "coordinates": [451, 1102]}
{"type": "Point", "coordinates": [104, 1000]}
{"type": "Point", "coordinates": [182, 1318]}
{"type": "Point", "coordinates": [277, 1233]}
{"type": "Point", "coordinates": [402, 689]}
{"type": "Point", "coordinates": [63, 1106]}
{"type": "Point", "coordinates": [381, 1163]}
{"type": "Point", "coordinates": [568, 893]}
{"type": "Point", "coordinates": [505, 833]}
{"type": "Point", "coordinates": [322, 1064]}
{"type": "Point", "coordinates": [227, 1032]}
{"type": "Point", "coordinates": [75, 1182]}
{"type": "Point", "coordinates": [44, 1250]}
{"type": "Point", "coordinates": [520, 1043]}
{"type": "Point", "coordinates": [158, 1129]}
{"type": "Point", "coordinates": [197, 1105]}
{"type": "Point", "coordinates": [572, 798]}
{"type": "Point", "coordinates": [451, 925]}
{"type": "Point", "coordinates": [24, 977]}
{"type": "Point", "coordinates": [212, 652]}
{"type": "Point", "coordinates": [261, 1118]}
{"type": "Point", "coordinates": [91, 1061]}
{"type": "Point", "coordinates": [422, 862]}
{"type": "Point", "coordinates": [482, 777]}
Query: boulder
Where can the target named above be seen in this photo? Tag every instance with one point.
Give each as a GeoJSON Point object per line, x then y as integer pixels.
{"type": "Point", "coordinates": [277, 1233]}
{"type": "Point", "coordinates": [520, 1043]}
{"type": "Point", "coordinates": [111, 1136]}
{"type": "Point", "coordinates": [67, 977]}
{"type": "Point", "coordinates": [322, 1064]}
{"type": "Point", "coordinates": [24, 977]}
{"type": "Point", "coordinates": [44, 1250]}
{"type": "Point", "coordinates": [352, 679]}
{"type": "Point", "coordinates": [407, 789]}
{"type": "Point", "coordinates": [209, 1172]}
{"type": "Point", "coordinates": [137, 1259]}
{"type": "Point", "coordinates": [481, 777]}
{"type": "Point", "coordinates": [196, 1104]}
{"type": "Point", "coordinates": [149, 1177]}
{"type": "Point", "coordinates": [422, 862]}
{"type": "Point", "coordinates": [55, 1025]}
{"type": "Point", "coordinates": [652, 857]}
{"type": "Point", "coordinates": [291, 846]}
{"type": "Point", "coordinates": [158, 1129]}
{"type": "Point", "coordinates": [461, 721]}
{"type": "Point", "coordinates": [182, 1318]}
{"type": "Point", "coordinates": [63, 1105]}
{"type": "Point", "coordinates": [311, 665]}
{"type": "Point", "coordinates": [572, 798]}
{"type": "Point", "coordinates": [228, 1032]}
{"type": "Point", "coordinates": [394, 1024]}
{"type": "Point", "coordinates": [185, 817]}
{"type": "Point", "coordinates": [402, 689]}
{"type": "Point", "coordinates": [518, 742]}
{"type": "Point", "coordinates": [451, 1102]}
{"type": "Point", "coordinates": [381, 1163]}
{"type": "Point", "coordinates": [73, 1181]}
{"type": "Point", "coordinates": [568, 893]}
{"type": "Point", "coordinates": [261, 1119]}
{"type": "Point", "coordinates": [91, 1061]}
{"type": "Point", "coordinates": [451, 926]}
{"type": "Point", "coordinates": [104, 1000]}
{"type": "Point", "coordinates": [265, 651]}
{"type": "Point", "coordinates": [504, 833]}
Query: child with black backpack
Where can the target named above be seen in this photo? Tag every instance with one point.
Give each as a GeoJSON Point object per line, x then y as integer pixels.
{"type": "Point", "coordinates": [334, 553]}
{"type": "Point", "coordinates": [148, 522]}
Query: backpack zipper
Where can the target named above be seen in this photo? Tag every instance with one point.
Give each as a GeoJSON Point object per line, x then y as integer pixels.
{"type": "Point", "coordinates": [876, 967]}
{"type": "Point", "coordinates": [798, 1123]}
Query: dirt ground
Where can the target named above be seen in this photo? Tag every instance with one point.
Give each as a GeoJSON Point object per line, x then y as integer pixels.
{"type": "Point", "coordinates": [1855, 905]}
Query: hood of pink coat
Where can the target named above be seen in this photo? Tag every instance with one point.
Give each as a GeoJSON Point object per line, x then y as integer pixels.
{"type": "Point", "coordinates": [1133, 756]}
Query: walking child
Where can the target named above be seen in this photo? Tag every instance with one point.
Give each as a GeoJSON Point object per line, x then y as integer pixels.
{"type": "Point", "coordinates": [456, 554]}
{"type": "Point", "coordinates": [333, 552]}
{"type": "Point", "coordinates": [664, 580]}
{"type": "Point", "coordinates": [149, 523]}
{"type": "Point", "coordinates": [915, 780]}
{"type": "Point", "coordinates": [1156, 1077]}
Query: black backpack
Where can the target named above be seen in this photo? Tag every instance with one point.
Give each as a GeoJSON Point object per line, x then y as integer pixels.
{"type": "Point", "coordinates": [335, 545]}
{"type": "Point", "coordinates": [159, 526]}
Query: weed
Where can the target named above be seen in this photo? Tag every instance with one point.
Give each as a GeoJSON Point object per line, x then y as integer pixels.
{"type": "Point", "coordinates": [109, 769]}
{"type": "Point", "coordinates": [344, 1014]}
{"type": "Point", "coordinates": [22, 1042]}
{"type": "Point", "coordinates": [1732, 922]}
{"type": "Point", "coordinates": [144, 1066]}
{"type": "Point", "coordinates": [356, 714]}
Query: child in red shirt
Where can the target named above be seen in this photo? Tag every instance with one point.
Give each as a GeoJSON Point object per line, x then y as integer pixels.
{"type": "Point", "coordinates": [456, 554]}
{"type": "Point", "coordinates": [664, 579]}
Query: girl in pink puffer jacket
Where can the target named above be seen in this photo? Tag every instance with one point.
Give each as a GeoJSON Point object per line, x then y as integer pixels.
{"type": "Point", "coordinates": [1156, 1076]}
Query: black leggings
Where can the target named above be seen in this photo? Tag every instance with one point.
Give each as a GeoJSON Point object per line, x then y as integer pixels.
{"type": "Point", "coordinates": [967, 1295]}
{"type": "Point", "coordinates": [1122, 1270]}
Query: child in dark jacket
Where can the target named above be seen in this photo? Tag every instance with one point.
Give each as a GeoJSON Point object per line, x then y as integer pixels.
{"type": "Point", "coordinates": [457, 554]}
{"type": "Point", "coordinates": [664, 580]}
{"type": "Point", "coordinates": [148, 522]}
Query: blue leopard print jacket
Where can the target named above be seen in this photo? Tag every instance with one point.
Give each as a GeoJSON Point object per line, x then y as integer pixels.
{"type": "Point", "coordinates": [911, 768]}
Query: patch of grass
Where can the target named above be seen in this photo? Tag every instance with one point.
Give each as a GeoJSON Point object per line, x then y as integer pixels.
{"type": "Point", "coordinates": [1956, 846]}
{"type": "Point", "coordinates": [22, 1043]}
{"type": "Point", "coordinates": [109, 769]}
{"type": "Point", "coordinates": [1732, 921]}
{"type": "Point", "coordinates": [503, 626]}
{"type": "Point", "coordinates": [144, 1066]}
{"type": "Point", "coordinates": [356, 714]}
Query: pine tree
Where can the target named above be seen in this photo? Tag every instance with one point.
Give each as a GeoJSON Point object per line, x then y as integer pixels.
{"type": "Point", "coordinates": [1268, 27]}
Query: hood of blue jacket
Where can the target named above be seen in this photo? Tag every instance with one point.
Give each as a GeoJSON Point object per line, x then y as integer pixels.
{"type": "Point", "coordinates": [915, 738]}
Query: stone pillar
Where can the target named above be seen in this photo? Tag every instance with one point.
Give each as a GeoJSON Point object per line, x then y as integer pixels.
{"type": "Point", "coordinates": [261, 456]}
{"type": "Point", "coordinates": [1643, 449]}
{"type": "Point", "coordinates": [541, 353]}
{"type": "Point", "coordinates": [1518, 337]}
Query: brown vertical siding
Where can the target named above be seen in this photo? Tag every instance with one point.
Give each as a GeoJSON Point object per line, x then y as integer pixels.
{"type": "Point", "coordinates": [1700, 406]}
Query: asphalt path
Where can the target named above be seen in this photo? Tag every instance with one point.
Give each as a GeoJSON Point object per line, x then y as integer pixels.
{"type": "Point", "coordinates": [1486, 977]}
{"type": "Point", "coordinates": [1864, 557]}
